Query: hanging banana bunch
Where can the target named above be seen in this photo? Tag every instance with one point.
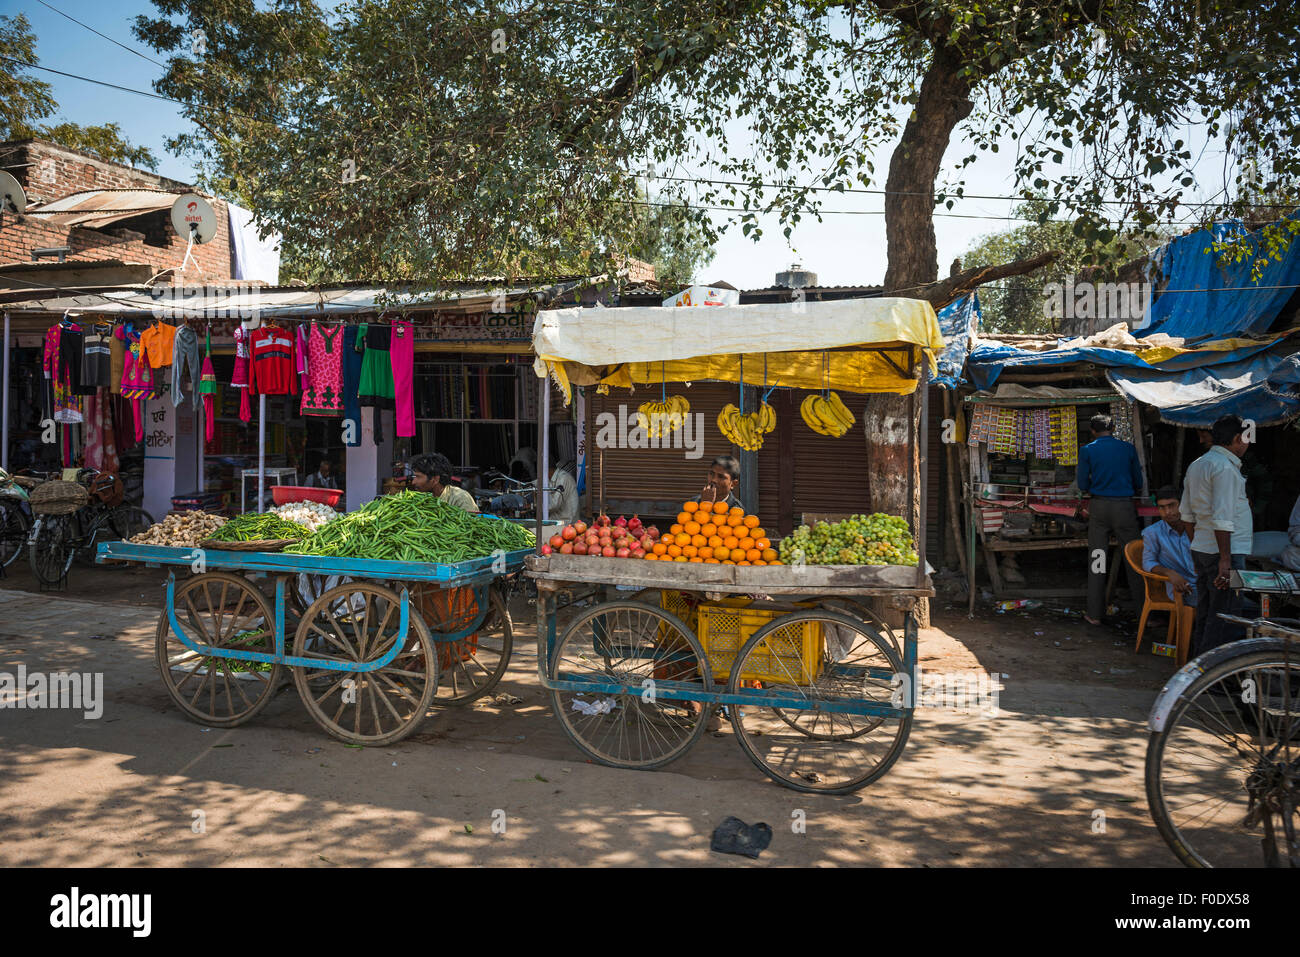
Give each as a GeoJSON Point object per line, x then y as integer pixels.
{"type": "Point", "coordinates": [747, 430]}
{"type": "Point", "coordinates": [656, 417]}
{"type": "Point", "coordinates": [826, 416]}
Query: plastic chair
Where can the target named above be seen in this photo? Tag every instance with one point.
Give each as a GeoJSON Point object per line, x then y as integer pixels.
{"type": "Point", "coordinates": [1157, 599]}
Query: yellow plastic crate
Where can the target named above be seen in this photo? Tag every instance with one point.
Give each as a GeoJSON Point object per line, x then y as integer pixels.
{"type": "Point", "coordinates": [674, 602]}
{"type": "Point", "coordinates": [793, 653]}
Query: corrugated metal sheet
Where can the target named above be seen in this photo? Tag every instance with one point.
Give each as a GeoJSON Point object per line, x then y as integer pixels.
{"type": "Point", "coordinates": [100, 207]}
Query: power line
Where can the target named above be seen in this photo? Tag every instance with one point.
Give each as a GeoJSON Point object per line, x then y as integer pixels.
{"type": "Point", "coordinates": [97, 33]}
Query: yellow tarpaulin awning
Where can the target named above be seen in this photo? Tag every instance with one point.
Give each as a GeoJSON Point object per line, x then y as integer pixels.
{"type": "Point", "coordinates": [850, 345]}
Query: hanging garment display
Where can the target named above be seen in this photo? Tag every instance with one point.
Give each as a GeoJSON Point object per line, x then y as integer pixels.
{"type": "Point", "coordinates": [323, 394]}
{"type": "Point", "coordinates": [208, 389]}
{"type": "Point", "coordinates": [403, 357]}
{"type": "Point", "coordinates": [302, 335]}
{"type": "Point", "coordinates": [272, 362]}
{"type": "Point", "coordinates": [72, 357]}
{"type": "Point", "coordinates": [97, 358]}
{"type": "Point", "coordinates": [185, 351]}
{"type": "Point", "coordinates": [157, 342]}
{"type": "Point", "coordinates": [65, 405]}
{"type": "Point", "coordinates": [376, 387]}
{"type": "Point", "coordinates": [239, 378]}
{"type": "Point", "coordinates": [351, 383]}
{"type": "Point", "coordinates": [137, 381]}
{"type": "Point", "coordinates": [116, 359]}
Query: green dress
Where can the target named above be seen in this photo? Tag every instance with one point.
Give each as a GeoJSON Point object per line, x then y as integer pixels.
{"type": "Point", "coordinates": [376, 388]}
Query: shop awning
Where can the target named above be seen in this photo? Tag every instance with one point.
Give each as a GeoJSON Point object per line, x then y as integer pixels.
{"type": "Point", "coordinates": [853, 345]}
{"type": "Point", "coordinates": [1262, 388]}
{"type": "Point", "coordinates": [101, 207]}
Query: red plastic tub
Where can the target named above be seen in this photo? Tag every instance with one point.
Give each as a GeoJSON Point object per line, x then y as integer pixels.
{"type": "Point", "coordinates": [284, 494]}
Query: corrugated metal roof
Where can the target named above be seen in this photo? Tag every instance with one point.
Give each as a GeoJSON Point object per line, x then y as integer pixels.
{"type": "Point", "coordinates": [100, 207]}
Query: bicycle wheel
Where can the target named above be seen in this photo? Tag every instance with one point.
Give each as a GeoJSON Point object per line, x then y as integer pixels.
{"type": "Point", "coordinates": [1222, 776]}
{"type": "Point", "coordinates": [819, 748]}
{"type": "Point", "coordinates": [634, 647]}
{"type": "Point", "coordinates": [469, 669]}
{"type": "Point", "coordinates": [224, 611]}
{"type": "Point", "coordinates": [356, 623]}
{"type": "Point", "coordinates": [52, 547]}
{"type": "Point", "coordinates": [15, 526]}
{"type": "Point", "coordinates": [127, 521]}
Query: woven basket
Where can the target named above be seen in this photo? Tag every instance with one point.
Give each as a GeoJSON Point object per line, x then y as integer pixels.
{"type": "Point", "coordinates": [57, 498]}
{"type": "Point", "coordinates": [260, 545]}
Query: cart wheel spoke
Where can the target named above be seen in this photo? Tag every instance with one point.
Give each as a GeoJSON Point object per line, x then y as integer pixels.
{"type": "Point", "coordinates": [378, 707]}
{"type": "Point", "coordinates": [821, 742]}
{"type": "Point", "coordinates": [222, 611]}
{"type": "Point", "coordinates": [641, 648]}
{"type": "Point", "coordinates": [475, 665]}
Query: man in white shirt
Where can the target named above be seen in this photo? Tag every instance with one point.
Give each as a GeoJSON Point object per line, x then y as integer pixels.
{"type": "Point", "coordinates": [1215, 505]}
{"type": "Point", "coordinates": [563, 503]}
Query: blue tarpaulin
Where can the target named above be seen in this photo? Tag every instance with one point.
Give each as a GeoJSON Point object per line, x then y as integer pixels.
{"type": "Point", "coordinates": [959, 322]}
{"type": "Point", "coordinates": [987, 362]}
{"type": "Point", "coordinates": [1203, 297]}
{"type": "Point", "coordinates": [1273, 400]}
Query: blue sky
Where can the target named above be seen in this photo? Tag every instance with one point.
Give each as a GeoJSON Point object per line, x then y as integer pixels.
{"type": "Point", "coordinates": [842, 250]}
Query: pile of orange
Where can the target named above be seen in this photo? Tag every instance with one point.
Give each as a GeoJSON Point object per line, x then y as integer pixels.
{"type": "Point", "coordinates": [714, 534]}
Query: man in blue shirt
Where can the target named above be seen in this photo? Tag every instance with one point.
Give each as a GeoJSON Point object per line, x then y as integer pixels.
{"type": "Point", "coordinates": [1167, 547]}
{"type": "Point", "coordinates": [1108, 472]}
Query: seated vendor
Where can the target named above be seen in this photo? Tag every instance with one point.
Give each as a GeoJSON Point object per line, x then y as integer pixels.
{"type": "Point", "coordinates": [1167, 547]}
{"type": "Point", "coordinates": [723, 480]}
{"type": "Point", "coordinates": [432, 473]}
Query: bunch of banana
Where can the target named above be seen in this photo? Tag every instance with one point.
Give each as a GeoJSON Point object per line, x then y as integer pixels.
{"type": "Point", "coordinates": [746, 431]}
{"type": "Point", "coordinates": [656, 417]}
{"type": "Point", "coordinates": [826, 416]}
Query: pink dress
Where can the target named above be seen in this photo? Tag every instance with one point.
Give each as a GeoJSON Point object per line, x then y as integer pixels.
{"type": "Point", "coordinates": [137, 379]}
{"type": "Point", "coordinates": [324, 392]}
{"type": "Point", "coordinates": [239, 378]}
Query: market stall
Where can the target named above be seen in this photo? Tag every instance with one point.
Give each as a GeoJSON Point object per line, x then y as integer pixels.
{"type": "Point", "coordinates": [1021, 496]}
{"type": "Point", "coordinates": [818, 689]}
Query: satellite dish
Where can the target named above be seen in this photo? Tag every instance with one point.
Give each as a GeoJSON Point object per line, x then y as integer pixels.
{"type": "Point", "coordinates": [12, 197]}
{"type": "Point", "coordinates": [192, 215]}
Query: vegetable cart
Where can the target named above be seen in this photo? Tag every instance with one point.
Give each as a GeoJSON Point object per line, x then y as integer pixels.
{"type": "Point", "coordinates": [366, 663]}
{"type": "Point", "coordinates": [819, 690]}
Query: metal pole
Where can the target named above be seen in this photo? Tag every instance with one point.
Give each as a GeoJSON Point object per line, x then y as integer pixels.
{"type": "Point", "coordinates": [923, 468]}
{"type": "Point", "coordinates": [544, 473]}
{"type": "Point", "coordinates": [4, 436]}
{"type": "Point", "coordinates": [541, 400]}
{"type": "Point", "coordinates": [261, 450]}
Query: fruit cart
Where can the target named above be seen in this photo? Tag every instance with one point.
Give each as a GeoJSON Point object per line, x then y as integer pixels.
{"type": "Point", "coordinates": [818, 690]}
{"type": "Point", "coordinates": [365, 662]}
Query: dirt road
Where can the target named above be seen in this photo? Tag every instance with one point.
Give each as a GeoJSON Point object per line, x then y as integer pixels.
{"type": "Point", "coordinates": [1054, 779]}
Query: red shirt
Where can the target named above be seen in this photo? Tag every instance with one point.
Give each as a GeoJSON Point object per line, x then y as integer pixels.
{"type": "Point", "coordinates": [272, 366]}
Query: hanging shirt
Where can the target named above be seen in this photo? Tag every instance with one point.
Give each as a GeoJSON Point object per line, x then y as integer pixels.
{"type": "Point", "coordinates": [97, 360]}
{"type": "Point", "coordinates": [272, 362]}
{"type": "Point", "coordinates": [66, 405]}
{"type": "Point", "coordinates": [157, 341]}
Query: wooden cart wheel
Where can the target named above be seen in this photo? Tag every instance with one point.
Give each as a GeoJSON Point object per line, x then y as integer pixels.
{"type": "Point", "coordinates": [356, 623]}
{"type": "Point", "coordinates": [813, 748]}
{"type": "Point", "coordinates": [224, 611]}
{"type": "Point", "coordinates": [634, 646]}
{"type": "Point", "coordinates": [471, 667]}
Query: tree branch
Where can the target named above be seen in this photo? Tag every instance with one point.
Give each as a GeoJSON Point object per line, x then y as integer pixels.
{"type": "Point", "coordinates": [946, 290]}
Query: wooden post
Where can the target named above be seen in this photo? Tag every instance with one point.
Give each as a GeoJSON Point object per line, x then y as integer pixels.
{"type": "Point", "coordinates": [785, 415]}
{"type": "Point", "coordinates": [954, 465]}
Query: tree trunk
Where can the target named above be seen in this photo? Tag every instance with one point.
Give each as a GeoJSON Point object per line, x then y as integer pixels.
{"type": "Point", "coordinates": [943, 102]}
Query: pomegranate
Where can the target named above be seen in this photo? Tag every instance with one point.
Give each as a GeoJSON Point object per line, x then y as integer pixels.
{"type": "Point", "coordinates": [620, 522]}
{"type": "Point", "coordinates": [653, 532]}
{"type": "Point", "coordinates": [546, 549]}
{"type": "Point", "coordinates": [603, 520]}
{"type": "Point", "coordinates": [568, 534]}
{"type": "Point", "coordinates": [580, 526]}
{"type": "Point", "coordinates": [638, 552]}
{"type": "Point", "coordinates": [608, 551]}
{"type": "Point", "coordinates": [623, 553]}
{"type": "Point", "coordinates": [566, 548]}
{"type": "Point", "coordinates": [556, 541]}
{"type": "Point", "coordinates": [634, 525]}
{"type": "Point", "coordinates": [645, 542]}
{"type": "Point", "coordinates": [579, 547]}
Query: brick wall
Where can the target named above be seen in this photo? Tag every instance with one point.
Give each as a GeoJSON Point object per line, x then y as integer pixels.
{"type": "Point", "coordinates": [48, 172]}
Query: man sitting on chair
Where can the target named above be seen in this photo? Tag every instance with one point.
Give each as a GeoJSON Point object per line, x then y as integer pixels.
{"type": "Point", "coordinates": [1167, 548]}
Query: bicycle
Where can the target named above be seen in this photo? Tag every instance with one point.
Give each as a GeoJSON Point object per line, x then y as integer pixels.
{"type": "Point", "coordinates": [515, 499]}
{"type": "Point", "coordinates": [15, 517]}
{"type": "Point", "coordinates": [1223, 760]}
{"type": "Point", "coordinates": [68, 524]}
